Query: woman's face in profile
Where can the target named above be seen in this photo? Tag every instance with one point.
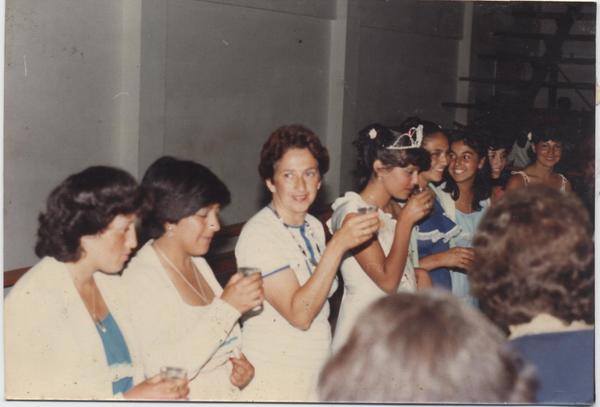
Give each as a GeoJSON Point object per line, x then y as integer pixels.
{"type": "Point", "coordinates": [111, 248]}
{"type": "Point", "coordinates": [195, 232]}
{"type": "Point", "coordinates": [437, 146]}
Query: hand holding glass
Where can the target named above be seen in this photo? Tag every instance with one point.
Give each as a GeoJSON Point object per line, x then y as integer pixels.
{"type": "Point", "coordinates": [246, 272]}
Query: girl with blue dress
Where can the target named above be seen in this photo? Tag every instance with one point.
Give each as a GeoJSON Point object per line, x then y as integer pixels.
{"type": "Point", "coordinates": [437, 252]}
{"type": "Point", "coordinates": [469, 187]}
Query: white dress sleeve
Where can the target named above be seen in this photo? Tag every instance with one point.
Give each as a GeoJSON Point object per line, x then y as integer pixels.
{"type": "Point", "coordinates": [170, 332]}
{"type": "Point", "coordinates": [260, 245]}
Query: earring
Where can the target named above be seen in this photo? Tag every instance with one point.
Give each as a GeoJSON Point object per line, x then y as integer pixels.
{"type": "Point", "coordinates": [170, 231]}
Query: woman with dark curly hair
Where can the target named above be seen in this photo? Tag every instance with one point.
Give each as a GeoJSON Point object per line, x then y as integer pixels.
{"type": "Point", "coordinates": [66, 336]}
{"type": "Point", "coordinates": [425, 348]}
{"type": "Point", "coordinates": [468, 186]}
{"type": "Point", "coordinates": [546, 151]}
{"type": "Point", "coordinates": [289, 340]}
{"type": "Point", "coordinates": [534, 274]}
{"type": "Point", "coordinates": [389, 164]}
{"type": "Point", "coordinates": [182, 316]}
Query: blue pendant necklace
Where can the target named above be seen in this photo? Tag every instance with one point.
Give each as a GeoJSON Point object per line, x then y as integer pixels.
{"type": "Point", "coordinates": [307, 227]}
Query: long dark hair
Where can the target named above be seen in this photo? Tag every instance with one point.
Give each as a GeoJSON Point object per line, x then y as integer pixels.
{"type": "Point", "coordinates": [481, 185]}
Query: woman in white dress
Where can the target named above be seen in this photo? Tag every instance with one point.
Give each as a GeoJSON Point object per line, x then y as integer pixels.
{"type": "Point", "coordinates": [66, 335]}
{"type": "Point", "coordinates": [182, 316]}
{"type": "Point", "coordinates": [388, 164]}
{"type": "Point", "coordinates": [290, 340]}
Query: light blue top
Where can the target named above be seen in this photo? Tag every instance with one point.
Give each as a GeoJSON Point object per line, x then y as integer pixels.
{"type": "Point", "coordinates": [468, 223]}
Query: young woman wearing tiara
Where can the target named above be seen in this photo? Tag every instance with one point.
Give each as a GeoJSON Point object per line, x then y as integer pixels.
{"type": "Point", "coordinates": [289, 341]}
{"type": "Point", "coordinates": [547, 150]}
{"type": "Point", "coordinates": [388, 166]}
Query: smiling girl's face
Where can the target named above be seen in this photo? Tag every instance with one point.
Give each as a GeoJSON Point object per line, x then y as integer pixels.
{"type": "Point", "coordinates": [464, 162]}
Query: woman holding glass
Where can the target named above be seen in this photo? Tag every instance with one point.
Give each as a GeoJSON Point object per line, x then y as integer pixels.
{"type": "Point", "coordinates": [290, 339]}
{"type": "Point", "coordinates": [389, 164]}
{"type": "Point", "coordinates": [66, 336]}
{"type": "Point", "coordinates": [183, 317]}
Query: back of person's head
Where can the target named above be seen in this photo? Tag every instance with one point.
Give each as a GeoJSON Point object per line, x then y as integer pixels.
{"type": "Point", "coordinates": [534, 254]}
{"type": "Point", "coordinates": [85, 204]}
{"type": "Point", "coordinates": [285, 138]}
{"type": "Point", "coordinates": [425, 348]}
{"type": "Point", "coordinates": [178, 189]}
{"type": "Point", "coordinates": [394, 148]}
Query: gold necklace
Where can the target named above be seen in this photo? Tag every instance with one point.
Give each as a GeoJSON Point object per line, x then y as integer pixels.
{"type": "Point", "coordinates": [202, 295]}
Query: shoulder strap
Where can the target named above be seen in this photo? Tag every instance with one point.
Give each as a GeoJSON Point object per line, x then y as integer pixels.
{"type": "Point", "coordinates": [522, 174]}
{"type": "Point", "coordinates": [563, 186]}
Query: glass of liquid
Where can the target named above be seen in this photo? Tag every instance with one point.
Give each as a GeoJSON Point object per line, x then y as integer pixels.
{"type": "Point", "coordinates": [170, 372]}
{"type": "Point", "coordinates": [247, 271]}
{"type": "Point", "coordinates": [363, 210]}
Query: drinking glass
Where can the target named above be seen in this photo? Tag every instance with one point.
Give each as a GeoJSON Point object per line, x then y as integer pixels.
{"type": "Point", "coordinates": [247, 271]}
{"type": "Point", "coordinates": [170, 372]}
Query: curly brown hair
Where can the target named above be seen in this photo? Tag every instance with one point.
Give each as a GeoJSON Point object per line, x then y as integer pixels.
{"type": "Point", "coordinates": [534, 254]}
{"type": "Point", "coordinates": [285, 138]}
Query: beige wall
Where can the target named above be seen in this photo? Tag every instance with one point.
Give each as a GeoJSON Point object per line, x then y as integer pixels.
{"type": "Point", "coordinates": [121, 82]}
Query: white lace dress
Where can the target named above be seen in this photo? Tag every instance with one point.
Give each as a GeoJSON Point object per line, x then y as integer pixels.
{"type": "Point", "coordinates": [359, 290]}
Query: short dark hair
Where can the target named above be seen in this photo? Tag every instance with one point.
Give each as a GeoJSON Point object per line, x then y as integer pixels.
{"type": "Point", "coordinates": [288, 137]}
{"type": "Point", "coordinates": [546, 132]}
{"type": "Point", "coordinates": [372, 144]}
{"type": "Point", "coordinates": [425, 348]}
{"type": "Point", "coordinates": [534, 254]}
{"type": "Point", "coordinates": [481, 185]}
{"type": "Point", "coordinates": [85, 204]}
{"type": "Point", "coordinates": [178, 189]}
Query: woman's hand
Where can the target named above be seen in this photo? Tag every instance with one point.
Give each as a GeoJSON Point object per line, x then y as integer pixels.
{"type": "Point", "coordinates": [242, 371]}
{"type": "Point", "coordinates": [418, 206]}
{"type": "Point", "coordinates": [460, 257]}
{"type": "Point", "coordinates": [157, 388]}
{"type": "Point", "coordinates": [244, 293]}
{"type": "Point", "coordinates": [357, 229]}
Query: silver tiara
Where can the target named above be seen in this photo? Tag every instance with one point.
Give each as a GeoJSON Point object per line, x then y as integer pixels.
{"type": "Point", "coordinates": [415, 136]}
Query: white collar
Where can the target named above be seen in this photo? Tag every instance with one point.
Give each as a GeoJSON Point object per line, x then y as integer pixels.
{"type": "Point", "coordinates": [545, 323]}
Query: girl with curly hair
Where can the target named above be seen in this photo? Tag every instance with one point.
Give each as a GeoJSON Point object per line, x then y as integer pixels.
{"type": "Point", "coordinates": [289, 341]}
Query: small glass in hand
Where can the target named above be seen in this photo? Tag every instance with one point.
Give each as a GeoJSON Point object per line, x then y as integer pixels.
{"type": "Point", "coordinates": [247, 271]}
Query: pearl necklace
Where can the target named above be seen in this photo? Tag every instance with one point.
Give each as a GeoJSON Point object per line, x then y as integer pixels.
{"type": "Point", "coordinates": [202, 295]}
